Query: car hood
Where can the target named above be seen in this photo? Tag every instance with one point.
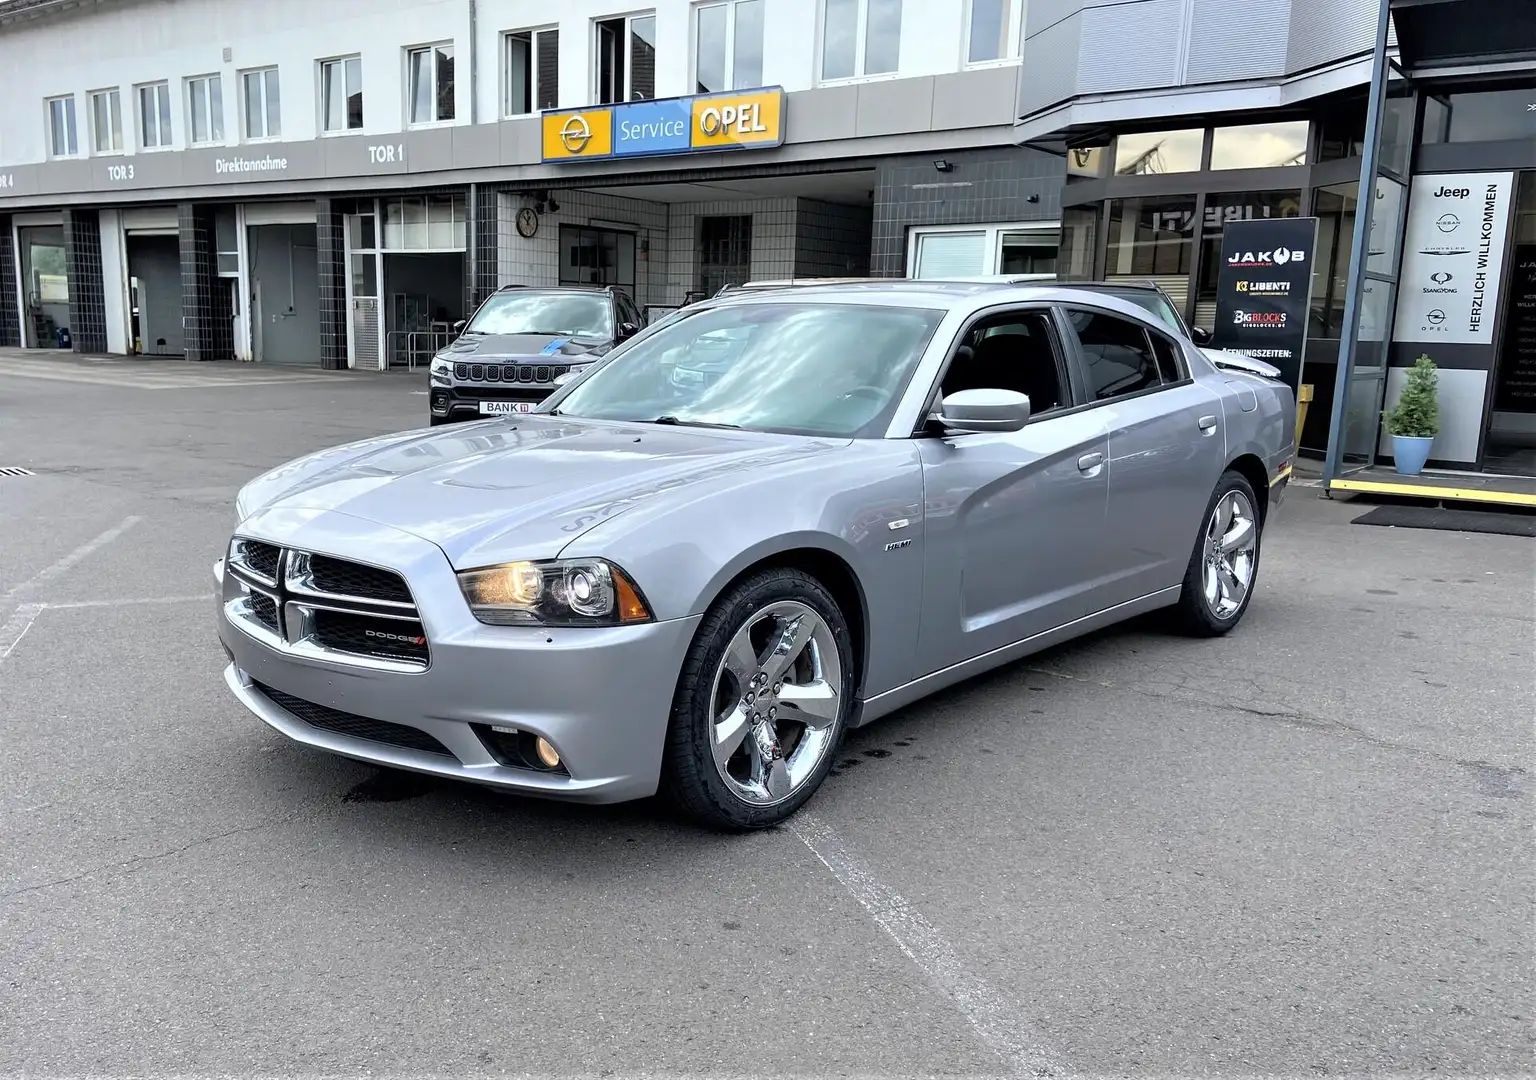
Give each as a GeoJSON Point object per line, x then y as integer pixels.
{"type": "Point", "coordinates": [500, 489]}
{"type": "Point", "coordinates": [472, 347]}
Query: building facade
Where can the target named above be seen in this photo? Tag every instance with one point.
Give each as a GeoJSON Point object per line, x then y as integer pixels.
{"type": "Point", "coordinates": [1179, 116]}
{"type": "Point", "coordinates": [336, 183]}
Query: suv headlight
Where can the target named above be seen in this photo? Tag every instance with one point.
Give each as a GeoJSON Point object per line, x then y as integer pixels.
{"type": "Point", "coordinates": [556, 592]}
{"type": "Point", "coordinates": [441, 371]}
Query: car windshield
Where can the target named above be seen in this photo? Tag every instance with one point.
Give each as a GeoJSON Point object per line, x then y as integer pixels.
{"type": "Point", "coordinates": [804, 368]}
{"type": "Point", "coordinates": [1150, 300]}
{"type": "Point", "coordinates": [571, 314]}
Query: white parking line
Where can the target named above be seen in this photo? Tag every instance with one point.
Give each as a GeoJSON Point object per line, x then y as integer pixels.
{"type": "Point", "coordinates": [16, 627]}
{"type": "Point", "coordinates": [131, 601]}
{"type": "Point", "coordinates": [48, 573]}
{"type": "Point", "coordinates": [997, 1020]}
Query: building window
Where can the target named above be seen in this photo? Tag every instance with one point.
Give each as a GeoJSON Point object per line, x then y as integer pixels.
{"type": "Point", "coordinates": [626, 59]}
{"type": "Point", "coordinates": [977, 250]}
{"type": "Point", "coordinates": [62, 135]}
{"type": "Point", "coordinates": [1334, 207]}
{"type": "Point", "coordinates": [155, 116]}
{"type": "Point", "coordinates": [1159, 152]}
{"type": "Point", "coordinates": [205, 109]}
{"type": "Point", "coordinates": [341, 94]}
{"type": "Point", "coordinates": [425, 223]}
{"type": "Point", "coordinates": [1259, 146]}
{"type": "Point", "coordinates": [860, 37]}
{"type": "Point", "coordinates": [430, 71]}
{"type": "Point", "coordinates": [263, 105]}
{"type": "Point", "coordinates": [992, 30]}
{"type": "Point", "coordinates": [1079, 243]}
{"type": "Point", "coordinates": [728, 47]}
{"type": "Point", "coordinates": [1153, 239]}
{"type": "Point", "coordinates": [107, 121]}
{"type": "Point", "coordinates": [532, 74]}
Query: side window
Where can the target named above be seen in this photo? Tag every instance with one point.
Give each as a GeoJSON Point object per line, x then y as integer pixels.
{"type": "Point", "coordinates": [1169, 364]}
{"type": "Point", "coordinates": [1119, 356]}
{"type": "Point", "coordinates": [1010, 352]}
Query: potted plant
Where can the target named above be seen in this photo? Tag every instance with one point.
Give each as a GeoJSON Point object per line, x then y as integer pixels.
{"type": "Point", "coordinates": [1414, 421]}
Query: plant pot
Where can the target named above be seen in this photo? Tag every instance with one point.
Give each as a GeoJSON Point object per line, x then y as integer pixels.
{"type": "Point", "coordinates": [1409, 453]}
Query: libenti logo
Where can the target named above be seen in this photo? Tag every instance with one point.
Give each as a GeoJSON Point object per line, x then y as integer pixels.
{"type": "Point", "coordinates": [1278, 257]}
{"type": "Point", "coordinates": [1274, 320]}
{"type": "Point", "coordinates": [248, 165]}
{"type": "Point", "coordinates": [1264, 288]}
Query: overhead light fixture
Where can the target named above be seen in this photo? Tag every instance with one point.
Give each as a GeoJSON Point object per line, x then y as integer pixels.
{"type": "Point", "coordinates": [942, 165]}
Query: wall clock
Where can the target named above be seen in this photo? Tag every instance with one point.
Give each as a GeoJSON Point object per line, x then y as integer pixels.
{"type": "Point", "coordinates": [527, 222]}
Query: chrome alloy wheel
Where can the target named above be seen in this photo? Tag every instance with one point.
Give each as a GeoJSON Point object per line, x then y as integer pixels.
{"type": "Point", "coordinates": [1231, 542]}
{"type": "Point", "coordinates": [775, 702]}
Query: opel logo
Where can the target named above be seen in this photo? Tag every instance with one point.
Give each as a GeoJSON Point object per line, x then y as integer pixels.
{"type": "Point", "coordinates": [575, 134]}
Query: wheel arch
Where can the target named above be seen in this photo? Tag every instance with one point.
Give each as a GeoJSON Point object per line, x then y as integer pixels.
{"type": "Point", "coordinates": [1251, 468]}
{"type": "Point", "coordinates": [818, 556]}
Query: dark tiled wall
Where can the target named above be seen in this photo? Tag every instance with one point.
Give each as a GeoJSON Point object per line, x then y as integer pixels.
{"type": "Point", "coordinates": [10, 311]}
{"type": "Point", "coordinates": [483, 277]}
{"type": "Point", "coordinates": [985, 186]}
{"type": "Point", "coordinates": [199, 259]}
{"type": "Point", "coordinates": [331, 251]}
{"type": "Point", "coordinates": [832, 240]}
{"type": "Point", "coordinates": [87, 291]}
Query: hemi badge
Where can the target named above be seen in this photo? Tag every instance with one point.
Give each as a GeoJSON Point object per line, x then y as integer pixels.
{"type": "Point", "coordinates": [899, 523]}
{"type": "Point", "coordinates": [894, 544]}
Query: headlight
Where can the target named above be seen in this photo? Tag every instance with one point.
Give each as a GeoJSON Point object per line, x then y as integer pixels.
{"type": "Point", "coordinates": [441, 371]}
{"type": "Point", "coordinates": [567, 592]}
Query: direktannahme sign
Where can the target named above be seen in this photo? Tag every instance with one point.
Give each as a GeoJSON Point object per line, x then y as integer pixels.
{"type": "Point", "coordinates": [1264, 291]}
{"type": "Point", "coordinates": [740, 120]}
{"type": "Point", "coordinates": [1453, 258]}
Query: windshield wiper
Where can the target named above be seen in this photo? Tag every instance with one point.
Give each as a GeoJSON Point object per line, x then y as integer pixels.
{"type": "Point", "coordinates": [674, 421]}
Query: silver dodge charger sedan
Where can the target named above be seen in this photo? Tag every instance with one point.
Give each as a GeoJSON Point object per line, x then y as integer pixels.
{"type": "Point", "coordinates": [764, 520]}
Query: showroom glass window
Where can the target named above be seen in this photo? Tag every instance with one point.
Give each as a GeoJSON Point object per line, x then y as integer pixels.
{"type": "Point", "coordinates": [860, 37]}
{"type": "Point", "coordinates": [1149, 152]}
{"type": "Point", "coordinates": [205, 109]}
{"type": "Point", "coordinates": [341, 94]}
{"type": "Point", "coordinates": [728, 46]}
{"type": "Point", "coordinates": [430, 71]}
{"type": "Point", "coordinates": [1259, 146]}
{"type": "Point", "coordinates": [1482, 116]}
{"type": "Point", "coordinates": [532, 61]}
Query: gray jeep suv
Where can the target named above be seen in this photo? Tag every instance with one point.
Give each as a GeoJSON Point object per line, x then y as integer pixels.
{"type": "Point", "coordinates": [513, 351]}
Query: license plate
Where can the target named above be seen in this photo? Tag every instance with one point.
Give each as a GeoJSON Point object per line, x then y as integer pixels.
{"type": "Point", "coordinates": [500, 408]}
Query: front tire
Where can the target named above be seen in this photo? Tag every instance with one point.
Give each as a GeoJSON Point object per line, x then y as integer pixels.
{"type": "Point", "coordinates": [762, 703]}
{"type": "Point", "coordinates": [1224, 566]}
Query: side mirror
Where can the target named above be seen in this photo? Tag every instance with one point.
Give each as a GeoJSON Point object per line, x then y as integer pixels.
{"type": "Point", "coordinates": [984, 410]}
{"type": "Point", "coordinates": [627, 330]}
{"type": "Point", "coordinates": [1199, 335]}
{"type": "Point", "coordinates": [458, 327]}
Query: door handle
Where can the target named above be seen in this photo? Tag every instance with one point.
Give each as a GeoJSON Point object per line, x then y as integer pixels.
{"type": "Point", "coordinates": [1089, 462]}
{"type": "Point", "coordinates": [1207, 424]}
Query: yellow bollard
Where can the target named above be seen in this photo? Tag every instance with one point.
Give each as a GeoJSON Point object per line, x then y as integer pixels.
{"type": "Point", "coordinates": [1303, 399]}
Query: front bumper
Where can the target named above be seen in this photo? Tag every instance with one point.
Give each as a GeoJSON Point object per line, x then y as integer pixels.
{"type": "Point", "coordinates": [601, 696]}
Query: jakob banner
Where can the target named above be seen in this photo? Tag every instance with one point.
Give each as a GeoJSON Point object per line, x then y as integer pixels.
{"type": "Point", "coordinates": [1453, 257]}
{"type": "Point", "coordinates": [1264, 291]}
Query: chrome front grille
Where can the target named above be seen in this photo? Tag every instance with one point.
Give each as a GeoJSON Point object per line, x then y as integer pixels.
{"type": "Point", "coordinates": [326, 608]}
{"type": "Point", "coordinates": [509, 373]}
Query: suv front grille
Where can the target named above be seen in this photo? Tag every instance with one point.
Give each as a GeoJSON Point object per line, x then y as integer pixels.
{"type": "Point", "coordinates": [359, 727]}
{"type": "Point", "coordinates": [509, 373]}
{"type": "Point", "coordinates": [325, 607]}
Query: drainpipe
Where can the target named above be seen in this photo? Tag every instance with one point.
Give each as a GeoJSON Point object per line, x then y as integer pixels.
{"type": "Point", "coordinates": [474, 64]}
{"type": "Point", "coordinates": [1365, 202]}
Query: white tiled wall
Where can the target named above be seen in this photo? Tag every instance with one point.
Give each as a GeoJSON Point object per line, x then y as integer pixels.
{"type": "Point", "coordinates": [666, 258]}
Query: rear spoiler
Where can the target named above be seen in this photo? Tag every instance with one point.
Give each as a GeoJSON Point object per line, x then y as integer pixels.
{"type": "Point", "coordinates": [1231, 361]}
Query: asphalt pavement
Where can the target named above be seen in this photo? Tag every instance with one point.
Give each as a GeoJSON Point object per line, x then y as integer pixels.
{"type": "Point", "coordinates": [1301, 850]}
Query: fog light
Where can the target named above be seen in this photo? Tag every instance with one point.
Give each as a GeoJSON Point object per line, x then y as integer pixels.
{"type": "Point", "coordinates": [548, 756]}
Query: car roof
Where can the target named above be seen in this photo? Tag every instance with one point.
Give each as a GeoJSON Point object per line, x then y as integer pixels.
{"type": "Point", "coordinates": [946, 294]}
{"type": "Point", "coordinates": [600, 289]}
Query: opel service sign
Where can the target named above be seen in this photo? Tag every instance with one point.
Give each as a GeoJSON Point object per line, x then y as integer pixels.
{"type": "Point", "coordinates": [740, 120]}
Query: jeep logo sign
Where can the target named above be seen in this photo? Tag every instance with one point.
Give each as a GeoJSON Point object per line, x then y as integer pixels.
{"type": "Point", "coordinates": [1453, 193]}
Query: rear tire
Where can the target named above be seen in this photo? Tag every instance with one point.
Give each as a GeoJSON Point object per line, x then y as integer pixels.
{"type": "Point", "coordinates": [1224, 566]}
{"type": "Point", "coordinates": [762, 703]}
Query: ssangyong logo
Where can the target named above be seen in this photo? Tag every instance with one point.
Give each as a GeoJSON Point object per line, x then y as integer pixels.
{"type": "Point", "coordinates": [407, 639]}
{"type": "Point", "coordinates": [1273, 319]}
{"type": "Point", "coordinates": [1278, 257]}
